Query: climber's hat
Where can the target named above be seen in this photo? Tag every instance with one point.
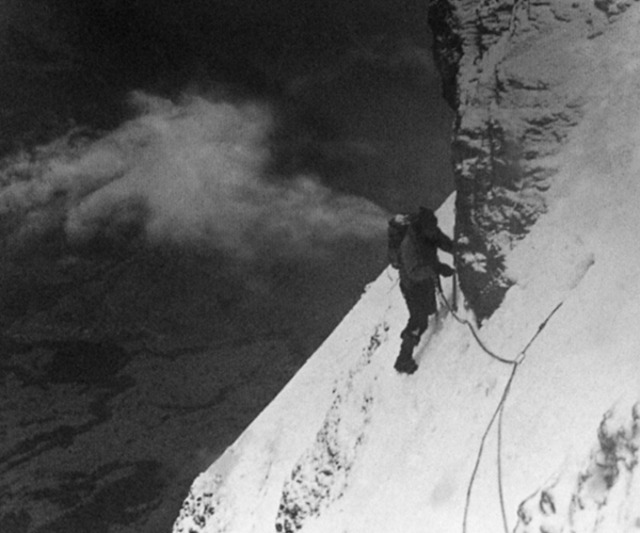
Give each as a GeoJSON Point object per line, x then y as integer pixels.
{"type": "Point", "coordinates": [426, 217]}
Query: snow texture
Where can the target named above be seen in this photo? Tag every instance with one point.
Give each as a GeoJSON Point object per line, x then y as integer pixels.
{"type": "Point", "coordinates": [322, 474]}
{"type": "Point", "coordinates": [350, 446]}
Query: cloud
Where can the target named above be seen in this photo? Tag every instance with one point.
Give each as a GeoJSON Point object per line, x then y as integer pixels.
{"type": "Point", "coordinates": [187, 172]}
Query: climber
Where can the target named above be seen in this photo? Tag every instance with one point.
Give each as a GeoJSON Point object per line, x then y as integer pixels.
{"type": "Point", "coordinates": [413, 249]}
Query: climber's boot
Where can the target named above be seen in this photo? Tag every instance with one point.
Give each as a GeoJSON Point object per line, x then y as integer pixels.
{"type": "Point", "coordinates": [405, 362]}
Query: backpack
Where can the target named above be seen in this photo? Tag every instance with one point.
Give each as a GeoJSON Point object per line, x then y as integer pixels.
{"type": "Point", "coordinates": [396, 231]}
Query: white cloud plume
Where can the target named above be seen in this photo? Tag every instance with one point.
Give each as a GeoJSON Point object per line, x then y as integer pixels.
{"type": "Point", "coordinates": [186, 172]}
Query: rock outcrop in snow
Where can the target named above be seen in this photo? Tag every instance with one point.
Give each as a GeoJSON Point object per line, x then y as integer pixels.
{"type": "Point", "coordinates": [600, 496]}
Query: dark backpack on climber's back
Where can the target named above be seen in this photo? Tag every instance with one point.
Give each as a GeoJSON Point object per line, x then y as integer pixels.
{"type": "Point", "coordinates": [396, 231]}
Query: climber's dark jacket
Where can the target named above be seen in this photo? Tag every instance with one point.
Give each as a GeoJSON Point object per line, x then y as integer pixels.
{"type": "Point", "coordinates": [419, 256]}
{"type": "Point", "coordinates": [413, 249]}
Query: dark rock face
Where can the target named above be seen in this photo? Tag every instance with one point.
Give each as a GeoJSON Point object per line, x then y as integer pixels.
{"type": "Point", "coordinates": [504, 78]}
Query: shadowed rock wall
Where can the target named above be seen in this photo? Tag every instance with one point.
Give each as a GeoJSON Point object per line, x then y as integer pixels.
{"type": "Point", "coordinates": [507, 79]}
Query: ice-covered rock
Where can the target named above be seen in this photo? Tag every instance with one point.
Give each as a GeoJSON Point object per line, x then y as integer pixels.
{"type": "Point", "coordinates": [513, 72]}
{"type": "Point", "coordinates": [601, 495]}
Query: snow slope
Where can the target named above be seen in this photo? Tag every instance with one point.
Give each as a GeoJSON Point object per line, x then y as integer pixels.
{"type": "Point", "coordinates": [351, 446]}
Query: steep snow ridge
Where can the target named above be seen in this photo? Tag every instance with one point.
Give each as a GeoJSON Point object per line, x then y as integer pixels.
{"type": "Point", "coordinates": [351, 446]}
{"type": "Point", "coordinates": [247, 482]}
{"type": "Point", "coordinates": [595, 358]}
{"type": "Point", "coordinates": [322, 474]}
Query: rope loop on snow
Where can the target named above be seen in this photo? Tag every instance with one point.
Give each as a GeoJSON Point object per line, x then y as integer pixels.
{"type": "Point", "coordinates": [514, 363]}
{"type": "Point", "coordinates": [521, 355]}
{"type": "Point", "coordinates": [473, 330]}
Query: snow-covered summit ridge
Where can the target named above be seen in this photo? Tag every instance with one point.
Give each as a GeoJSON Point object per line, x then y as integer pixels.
{"type": "Point", "coordinates": [351, 446]}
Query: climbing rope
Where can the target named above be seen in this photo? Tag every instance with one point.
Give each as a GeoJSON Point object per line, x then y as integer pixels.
{"type": "Point", "coordinates": [515, 363]}
{"type": "Point", "coordinates": [499, 462]}
{"type": "Point", "coordinates": [465, 322]}
{"type": "Point", "coordinates": [497, 414]}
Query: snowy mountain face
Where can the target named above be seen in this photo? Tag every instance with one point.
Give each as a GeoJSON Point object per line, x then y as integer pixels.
{"type": "Point", "coordinates": [511, 70]}
{"type": "Point", "coordinates": [533, 423]}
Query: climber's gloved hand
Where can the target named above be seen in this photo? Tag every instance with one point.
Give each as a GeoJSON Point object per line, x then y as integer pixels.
{"type": "Point", "coordinates": [445, 270]}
